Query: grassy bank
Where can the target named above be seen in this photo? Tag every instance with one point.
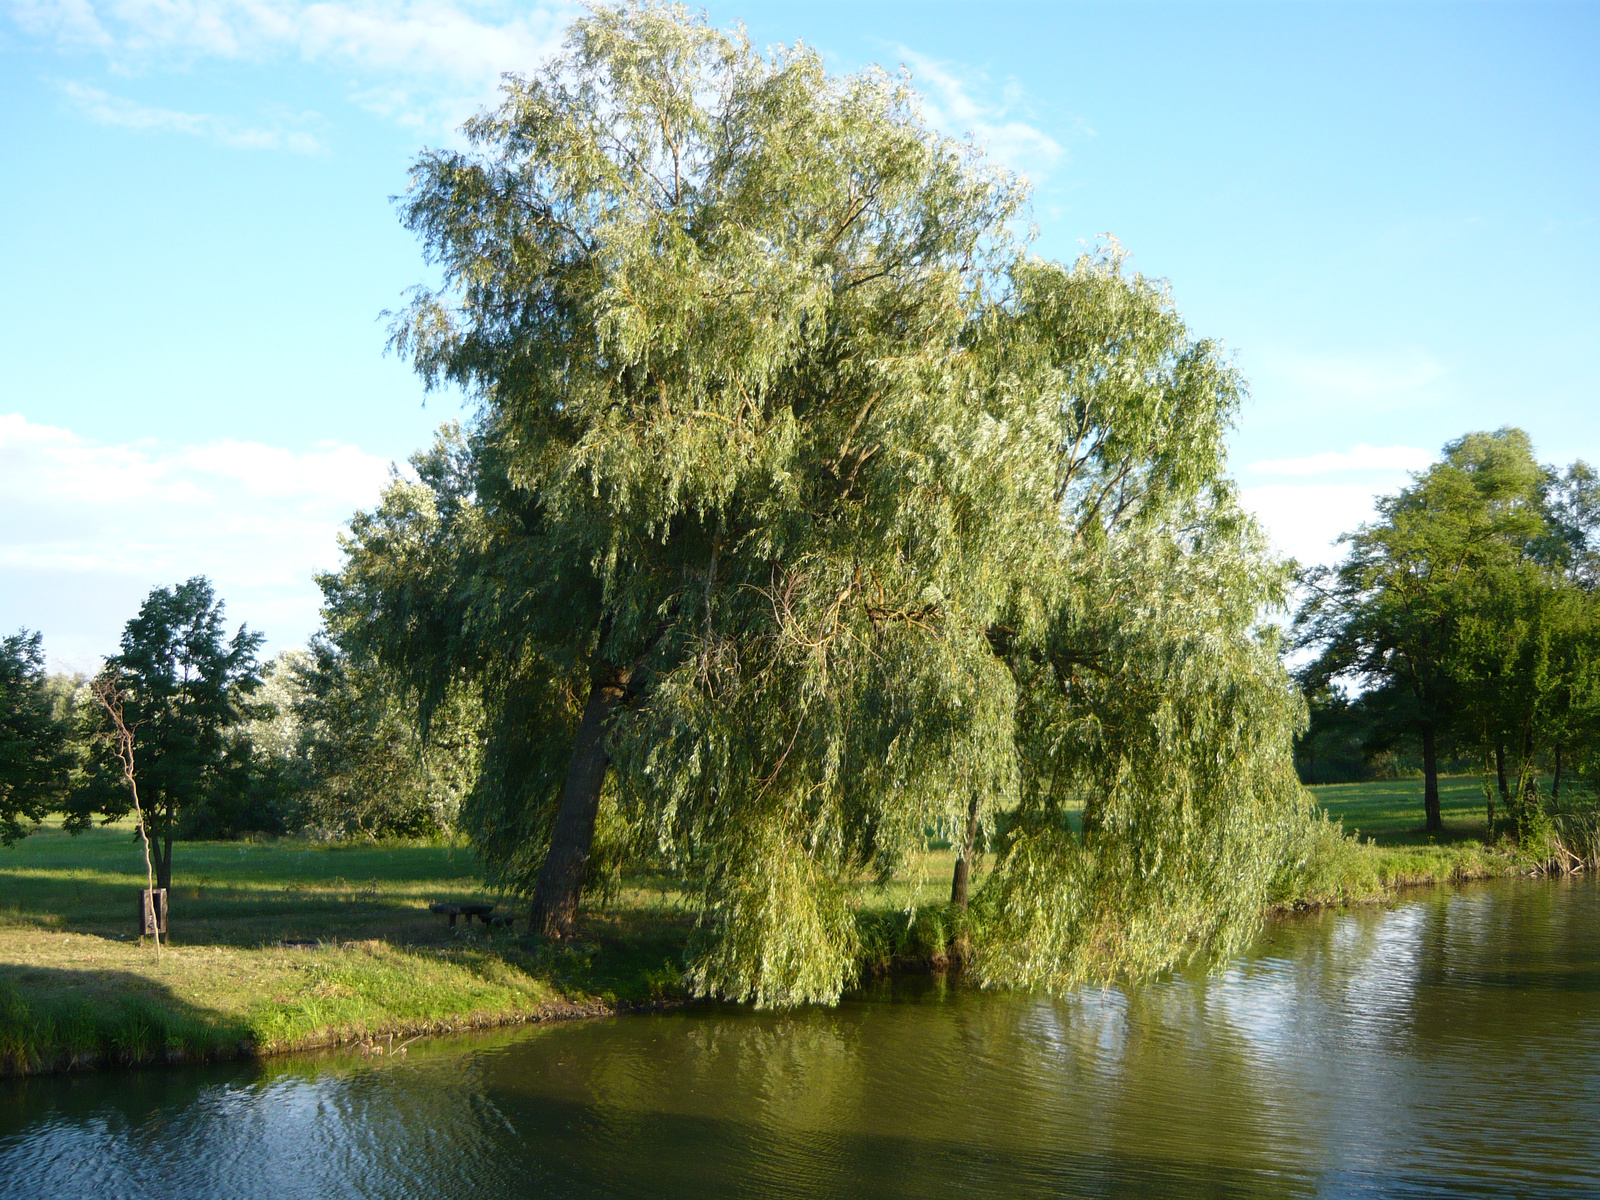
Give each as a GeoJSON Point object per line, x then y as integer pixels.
{"type": "Point", "coordinates": [283, 945]}
{"type": "Point", "coordinates": [289, 944]}
{"type": "Point", "coordinates": [1374, 840]}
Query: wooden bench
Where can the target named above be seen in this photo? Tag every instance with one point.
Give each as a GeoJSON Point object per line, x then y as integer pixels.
{"type": "Point", "coordinates": [481, 911]}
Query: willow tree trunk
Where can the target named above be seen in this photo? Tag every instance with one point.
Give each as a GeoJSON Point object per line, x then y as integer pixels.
{"type": "Point", "coordinates": [1500, 774]}
{"type": "Point", "coordinates": [560, 886]}
{"type": "Point", "coordinates": [1555, 781]}
{"type": "Point", "coordinates": [1430, 781]}
{"type": "Point", "coordinates": [969, 840]}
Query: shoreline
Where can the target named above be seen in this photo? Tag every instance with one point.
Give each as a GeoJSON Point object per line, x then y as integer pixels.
{"type": "Point", "coordinates": [516, 986]}
{"type": "Point", "coordinates": [387, 1042]}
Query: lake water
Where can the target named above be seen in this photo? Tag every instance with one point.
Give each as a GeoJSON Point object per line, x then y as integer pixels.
{"type": "Point", "coordinates": [1448, 1045]}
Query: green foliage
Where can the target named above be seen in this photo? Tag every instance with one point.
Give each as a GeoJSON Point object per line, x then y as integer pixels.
{"type": "Point", "coordinates": [63, 690]}
{"type": "Point", "coordinates": [1467, 612]}
{"type": "Point", "coordinates": [1575, 829]}
{"type": "Point", "coordinates": [358, 761]}
{"type": "Point", "coordinates": [1170, 714]}
{"type": "Point", "coordinates": [1323, 866]}
{"type": "Point", "coordinates": [869, 510]}
{"type": "Point", "coordinates": [1572, 510]}
{"type": "Point", "coordinates": [937, 936]}
{"type": "Point", "coordinates": [1386, 618]}
{"type": "Point", "coordinates": [1530, 669]}
{"type": "Point", "coordinates": [1341, 738]}
{"type": "Point", "coordinates": [35, 757]}
{"type": "Point", "coordinates": [187, 688]}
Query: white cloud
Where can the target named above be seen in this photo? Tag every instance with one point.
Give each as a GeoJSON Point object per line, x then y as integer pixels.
{"type": "Point", "coordinates": [436, 60]}
{"type": "Point", "coordinates": [106, 109]}
{"type": "Point", "coordinates": [1360, 457]}
{"type": "Point", "coordinates": [72, 22]}
{"type": "Point", "coordinates": [1305, 520]}
{"type": "Point", "coordinates": [88, 525]}
{"type": "Point", "coordinates": [458, 38]}
{"type": "Point", "coordinates": [961, 102]}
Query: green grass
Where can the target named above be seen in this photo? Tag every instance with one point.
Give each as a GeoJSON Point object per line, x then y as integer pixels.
{"type": "Point", "coordinates": [236, 893]}
{"type": "Point", "coordinates": [77, 985]}
{"type": "Point", "coordinates": [1389, 811]}
{"type": "Point", "coordinates": [1373, 839]}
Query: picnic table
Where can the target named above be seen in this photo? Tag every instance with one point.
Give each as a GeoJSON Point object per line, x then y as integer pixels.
{"type": "Point", "coordinates": [481, 911]}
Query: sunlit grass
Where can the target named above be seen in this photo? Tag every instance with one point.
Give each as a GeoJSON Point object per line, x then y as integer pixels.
{"type": "Point", "coordinates": [1390, 812]}
{"type": "Point", "coordinates": [371, 961]}
{"type": "Point", "coordinates": [77, 983]}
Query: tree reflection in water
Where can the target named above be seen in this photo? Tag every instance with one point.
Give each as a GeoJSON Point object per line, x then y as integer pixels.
{"type": "Point", "coordinates": [1445, 1046]}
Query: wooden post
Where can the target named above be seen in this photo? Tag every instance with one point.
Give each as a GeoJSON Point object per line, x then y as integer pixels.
{"type": "Point", "coordinates": [153, 912]}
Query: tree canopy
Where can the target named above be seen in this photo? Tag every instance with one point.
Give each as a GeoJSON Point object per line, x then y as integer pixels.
{"type": "Point", "coordinates": [184, 685]}
{"type": "Point", "coordinates": [35, 757]}
{"type": "Point", "coordinates": [806, 511]}
{"type": "Point", "coordinates": [1467, 612]}
{"type": "Point", "coordinates": [351, 755]}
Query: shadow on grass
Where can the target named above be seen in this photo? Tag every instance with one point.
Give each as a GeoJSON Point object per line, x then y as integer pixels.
{"type": "Point", "coordinates": [236, 893]}
{"type": "Point", "coordinates": [56, 1019]}
{"type": "Point", "coordinates": [239, 914]}
{"type": "Point", "coordinates": [1450, 835]}
{"type": "Point", "coordinates": [1390, 811]}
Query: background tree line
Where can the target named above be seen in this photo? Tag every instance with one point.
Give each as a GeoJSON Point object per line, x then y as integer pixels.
{"type": "Point", "coordinates": [315, 742]}
{"type": "Point", "coordinates": [1462, 631]}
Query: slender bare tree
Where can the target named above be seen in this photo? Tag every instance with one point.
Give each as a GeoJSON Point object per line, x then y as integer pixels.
{"type": "Point", "coordinates": [110, 698]}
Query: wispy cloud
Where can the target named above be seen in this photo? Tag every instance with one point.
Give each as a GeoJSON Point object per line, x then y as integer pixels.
{"type": "Point", "coordinates": [71, 22]}
{"type": "Point", "coordinates": [259, 520]}
{"type": "Point", "coordinates": [1351, 377]}
{"type": "Point", "coordinates": [1554, 226]}
{"type": "Point", "coordinates": [1360, 457]}
{"type": "Point", "coordinates": [432, 61]}
{"type": "Point", "coordinates": [965, 102]}
{"type": "Point", "coordinates": [105, 109]}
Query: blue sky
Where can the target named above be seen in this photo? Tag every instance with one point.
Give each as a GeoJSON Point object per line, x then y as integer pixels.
{"type": "Point", "coordinates": [1391, 213]}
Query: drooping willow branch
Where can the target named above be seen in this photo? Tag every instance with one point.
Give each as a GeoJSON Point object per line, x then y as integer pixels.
{"type": "Point", "coordinates": [106, 691]}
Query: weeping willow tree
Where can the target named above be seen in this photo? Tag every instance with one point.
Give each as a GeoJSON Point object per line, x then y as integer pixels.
{"type": "Point", "coordinates": [804, 512]}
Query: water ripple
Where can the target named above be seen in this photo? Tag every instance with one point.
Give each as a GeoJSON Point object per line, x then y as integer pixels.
{"type": "Point", "coordinates": [1447, 1046]}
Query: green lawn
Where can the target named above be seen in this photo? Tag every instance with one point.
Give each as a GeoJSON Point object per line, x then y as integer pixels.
{"type": "Point", "coordinates": [235, 893]}
{"type": "Point", "coordinates": [75, 981]}
{"type": "Point", "coordinates": [1390, 813]}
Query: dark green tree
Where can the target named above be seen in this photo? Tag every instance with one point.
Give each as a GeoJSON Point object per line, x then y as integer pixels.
{"type": "Point", "coordinates": [1390, 618]}
{"type": "Point", "coordinates": [1468, 614]}
{"type": "Point", "coordinates": [1340, 740]}
{"type": "Point", "coordinates": [35, 755]}
{"type": "Point", "coordinates": [805, 510]}
{"type": "Point", "coordinates": [185, 688]}
{"type": "Point", "coordinates": [1530, 666]}
{"type": "Point", "coordinates": [362, 766]}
